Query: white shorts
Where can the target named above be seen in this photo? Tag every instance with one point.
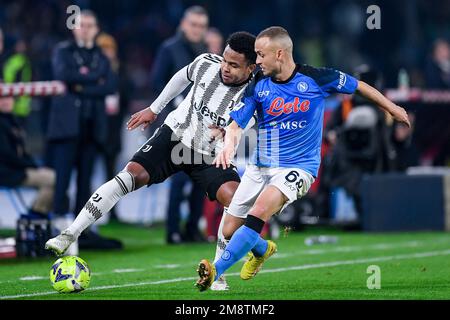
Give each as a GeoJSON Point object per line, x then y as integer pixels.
{"type": "Point", "coordinates": [294, 183]}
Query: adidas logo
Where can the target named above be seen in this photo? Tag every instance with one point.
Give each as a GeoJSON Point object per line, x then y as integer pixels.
{"type": "Point", "coordinates": [202, 85]}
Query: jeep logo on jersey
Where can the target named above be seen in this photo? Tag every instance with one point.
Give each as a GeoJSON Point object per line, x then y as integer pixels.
{"type": "Point", "coordinates": [278, 106]}
{"type": "Point", "coordinates": [204, 111]}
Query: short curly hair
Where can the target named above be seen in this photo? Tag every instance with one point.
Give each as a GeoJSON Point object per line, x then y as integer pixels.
{"type": "Point", "coordinates": [243, 42]}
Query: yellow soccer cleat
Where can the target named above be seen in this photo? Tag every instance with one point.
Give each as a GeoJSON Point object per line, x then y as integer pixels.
{"type": "Point", "coordinates": [252, 266]}
{"type": "Point", "coordinates": [207, 273]}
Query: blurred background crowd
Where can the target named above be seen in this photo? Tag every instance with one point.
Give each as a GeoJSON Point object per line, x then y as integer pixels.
{"type": "Point", "coordinates": [128, 50]}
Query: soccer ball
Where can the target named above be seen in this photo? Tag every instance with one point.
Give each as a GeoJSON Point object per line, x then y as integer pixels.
{"type": "Point", "coordinates": [70, 274]}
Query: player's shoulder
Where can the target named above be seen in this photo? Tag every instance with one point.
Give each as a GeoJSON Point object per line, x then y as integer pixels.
{"type": "Point", "coordinates": [64, 45]}
{"type": "Point", "coordinates": [209, 60]}
{"type": "Point", "coordinates": [255, 83]}
{"type": "Point", "coordinates": [259, 76]}
{"type": "Point", "coordinates": [173, 43]}
{"type": "Point", "coordinates": [321, 75]}
{"type": "Point", "coordinates": [210, 57]}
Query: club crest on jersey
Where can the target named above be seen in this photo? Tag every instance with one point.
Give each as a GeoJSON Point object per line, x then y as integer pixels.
{"type": "Point", "coordinates": [302, 86]}
{"type": "Point", "coordinates": [279, 106]}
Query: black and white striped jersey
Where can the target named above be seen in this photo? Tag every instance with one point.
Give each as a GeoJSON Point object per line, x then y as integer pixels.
{"type": "Point", "coordinates": [208, 102]}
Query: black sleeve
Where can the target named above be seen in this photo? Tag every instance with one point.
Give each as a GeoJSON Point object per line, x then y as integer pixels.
{"type": "Point", "coordinates": [65, 71]}
{"type": "Point", "coordinates": [335, 121]}
{"type": "Point", "coordinates": [109, 85]}
{"type": "Point", "coordinates": [8, 156]}
{"type": "Point", "coordinates": [161, 69]}
{"type": "Point", "coordinates": [432, 76]}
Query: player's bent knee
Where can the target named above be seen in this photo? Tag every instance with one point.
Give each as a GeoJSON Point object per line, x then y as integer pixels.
{"type": "Point", "coordinates": [141, 176]}
{"type": "Point", "coordinates": [260, 211]}
{"type": "Point", "coordinates": [226, 192]}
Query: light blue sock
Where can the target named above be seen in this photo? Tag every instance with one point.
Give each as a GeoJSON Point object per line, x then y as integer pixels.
{"type": "Point", "coordinates": [242, 241]}
{"type": "Point", "coordinates": [260, 247]}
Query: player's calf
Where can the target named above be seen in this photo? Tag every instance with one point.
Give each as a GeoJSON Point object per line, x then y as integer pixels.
{"type": "Point", "coordinates": [103, 199]}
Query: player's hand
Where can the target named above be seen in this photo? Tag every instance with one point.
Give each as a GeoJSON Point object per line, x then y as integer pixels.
{"type": "Point", "coordinates": [224, 158]}
{"type": "Point", "coordinates": [401, 115]}
{"type": "Point", "coordinates": [216, 133]}
{"type": "Point", "coordinates": [144, 117]}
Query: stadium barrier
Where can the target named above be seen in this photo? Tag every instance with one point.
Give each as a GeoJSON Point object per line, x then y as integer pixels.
{"type": "Point", "coordinates": [407, 202]}
{"type": "Point", "coordinates": [34, 89]}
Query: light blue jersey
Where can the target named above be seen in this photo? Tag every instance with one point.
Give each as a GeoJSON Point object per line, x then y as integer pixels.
{"type": "Point", "coordinates": [290, 115]}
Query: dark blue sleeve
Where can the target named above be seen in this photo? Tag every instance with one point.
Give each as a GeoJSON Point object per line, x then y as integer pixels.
{"type": "Point", "coordinates": [109, 85]}
{"type": "Point", "coordinates": [161, 69]}
{"type": "Point", "coordinates": [65, 71]}
{"type": "Point", "coordinates": [8, 150]}
{"type": "Point", "coordinates": [331, 80]}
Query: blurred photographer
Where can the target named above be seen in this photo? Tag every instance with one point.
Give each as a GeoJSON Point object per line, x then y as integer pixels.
{"type": "Point", "coordinates": [17, 167]}
{"type": "Point", "coordinates": [360, 142]}
{"type": "Point", "coordinates": [437, 70]}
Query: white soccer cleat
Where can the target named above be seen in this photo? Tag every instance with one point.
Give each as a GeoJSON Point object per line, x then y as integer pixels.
{"type": "Point", "coordinates": [61, 243]}
{"type": "Point", "coordinates": [220, 284]}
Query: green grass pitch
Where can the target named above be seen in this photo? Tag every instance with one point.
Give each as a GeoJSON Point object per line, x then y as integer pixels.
{"type": "Point", "coordinates": [412, 266]}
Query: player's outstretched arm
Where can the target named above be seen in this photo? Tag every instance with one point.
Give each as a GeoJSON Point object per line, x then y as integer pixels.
{"type": "Point", "coordinates": [232, 138]}
{"type": "Point", "coordinates": [384, 103]}
{"type": "Point", "coordinates": [144, 117]}
{"type": "Point", "coordinates": [173, 88]}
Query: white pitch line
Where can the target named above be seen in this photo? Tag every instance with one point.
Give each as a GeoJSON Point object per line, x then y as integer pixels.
{"type": "Point", "coordinates": [301, 267]}
{"type": "Point", "coordinates": [32, 278]}
{"type": "Point", "coordinates": [358, 261]}
{"type": "Point", "coordinates": [167, 266]}
{"type": "Point", "coordinates": [379, 246]}
{"type": "Point", "coordinates": [127, 270]}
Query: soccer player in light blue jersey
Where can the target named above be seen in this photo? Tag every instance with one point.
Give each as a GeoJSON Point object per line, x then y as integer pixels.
{"type": "Point", "coordinates": [289, 101]}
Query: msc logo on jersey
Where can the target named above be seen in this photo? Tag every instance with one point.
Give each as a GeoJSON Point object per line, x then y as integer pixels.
{"type": "Point", "coordinates": [289, 125]}
{"type": "Point", "coordinates": [302, 86]}
{"type": "Point", "coordinates": [279, 106]}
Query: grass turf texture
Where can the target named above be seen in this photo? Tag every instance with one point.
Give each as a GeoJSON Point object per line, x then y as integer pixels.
{"type": "Point", "coordinates": [413, 266]}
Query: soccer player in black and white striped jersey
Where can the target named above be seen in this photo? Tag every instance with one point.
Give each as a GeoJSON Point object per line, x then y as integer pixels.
{"type": "Point", "coordinates": [187, 141]}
